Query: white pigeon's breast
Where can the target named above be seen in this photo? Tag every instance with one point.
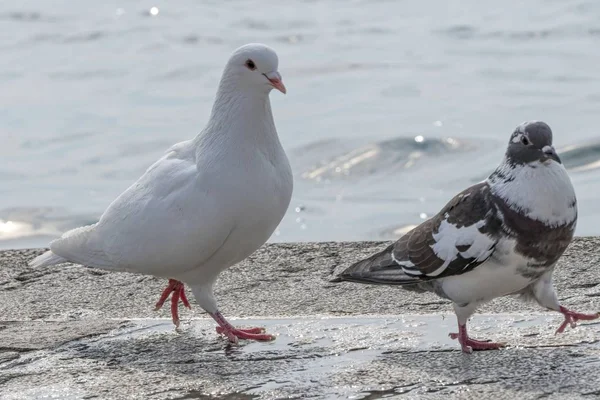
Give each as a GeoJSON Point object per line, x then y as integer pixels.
{"type": "Point", "coordinates": [263, 203]}
{"type": "Point", "coordinates": [262, 196]}
{"type": "Point", "coordinates": [499, 276]}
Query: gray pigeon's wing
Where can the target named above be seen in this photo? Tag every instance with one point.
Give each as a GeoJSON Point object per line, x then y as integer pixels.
{"type": "Point", "coordinates": [459, 238]}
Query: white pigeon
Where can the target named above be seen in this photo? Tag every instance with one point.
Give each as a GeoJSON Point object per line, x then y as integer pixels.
{"type": "Point", "coordinates": [207, 204]}
{"type": "Point", "coordinates": [499, 237]}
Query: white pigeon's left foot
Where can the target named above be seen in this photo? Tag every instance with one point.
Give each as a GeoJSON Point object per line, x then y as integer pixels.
{"type": "Point", "coordinates": [233, 333]}
{"type": "Point", "coordinates": [468, 345]}
{"type": "Point", "coordinates": [571, 318]}
{"type": "Point", "coordinates": [177, 288]}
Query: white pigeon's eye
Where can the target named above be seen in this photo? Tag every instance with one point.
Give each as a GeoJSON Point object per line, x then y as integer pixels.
{"type": "Point", "coordinates": [525, 140]}
{"type": "Point", "coordinates": [250, 64]}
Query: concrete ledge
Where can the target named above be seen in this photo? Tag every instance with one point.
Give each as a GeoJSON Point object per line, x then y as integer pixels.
{"type": "Point", "coordinates": [75, 332]}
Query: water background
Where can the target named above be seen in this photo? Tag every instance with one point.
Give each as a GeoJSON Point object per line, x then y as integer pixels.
{"type": "Point", "coordinates": [392, 107]}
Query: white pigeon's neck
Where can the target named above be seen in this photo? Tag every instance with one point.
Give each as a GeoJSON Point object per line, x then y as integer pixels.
{"type": "Point", "coordinates": [542, 192]}
{"type": "Point", "coordinates": [240, 115]}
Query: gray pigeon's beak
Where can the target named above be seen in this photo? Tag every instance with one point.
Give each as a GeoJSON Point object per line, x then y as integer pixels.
{"type": "Point", "coordinates": [275, 79]}
{"type": "Point", "coordinates": [550, 154]}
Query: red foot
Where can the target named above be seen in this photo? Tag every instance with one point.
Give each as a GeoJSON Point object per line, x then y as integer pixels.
{"type": "Point", "coordinates": [571, 318]}
{"type": "Point", "coordinates": [221, 330]}
{"type": "Point", "coordinates": [468, 345]}
{"type": "Point", "coordinates": [233, 334]}
{"type": "Point", "coordinates": [177, 288]}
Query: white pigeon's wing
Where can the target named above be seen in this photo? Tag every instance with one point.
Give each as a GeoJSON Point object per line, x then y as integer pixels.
{"type": "Point", "coordinates": [460, 237]}
{"type": "Point", "coordinates": [169, 220]}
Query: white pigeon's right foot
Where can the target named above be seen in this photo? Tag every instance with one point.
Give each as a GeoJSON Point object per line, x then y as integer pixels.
{"type": "Point", "coordinates": [233, 333]}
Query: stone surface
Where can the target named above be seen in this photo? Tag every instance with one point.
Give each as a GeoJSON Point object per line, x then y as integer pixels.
{"type": "Point", "coordinates": [73, 332]}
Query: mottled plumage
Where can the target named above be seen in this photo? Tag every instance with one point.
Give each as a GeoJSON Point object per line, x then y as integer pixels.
{"type": "Point", "coordinates": [499, 237]}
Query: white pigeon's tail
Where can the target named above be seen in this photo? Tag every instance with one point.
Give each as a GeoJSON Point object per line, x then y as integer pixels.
{"type": "Point", "coordinates": [48, 258]}
{"type": "Point", "coordinates": [76, 247]}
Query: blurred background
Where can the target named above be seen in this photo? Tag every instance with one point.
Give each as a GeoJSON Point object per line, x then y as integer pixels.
{"type": "Point", "coordinates": [392, 106]}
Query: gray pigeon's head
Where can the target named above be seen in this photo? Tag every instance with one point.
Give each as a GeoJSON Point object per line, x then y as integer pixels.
{"type": "Point", "coordinates": [531, 142]}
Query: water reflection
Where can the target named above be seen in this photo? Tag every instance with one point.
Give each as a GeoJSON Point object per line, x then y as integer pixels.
{"type": "Point", "coordinates": [375, 158]}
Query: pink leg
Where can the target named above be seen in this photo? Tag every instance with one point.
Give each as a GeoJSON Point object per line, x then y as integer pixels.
{"type": "Point", "coordinates": [571, 318]}
{"type": "Point", "coordinates": [178, 289]}
{"type": "Point", "coordinates": [468, 345]}
{"type": "Point", "coordinates": [233, 334]}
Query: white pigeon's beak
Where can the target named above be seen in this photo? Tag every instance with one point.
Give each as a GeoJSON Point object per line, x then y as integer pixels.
{"type": "Point", "coordinates": [275, 79]}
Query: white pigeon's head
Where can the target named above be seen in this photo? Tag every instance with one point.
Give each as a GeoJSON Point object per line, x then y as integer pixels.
{"type": "Point", "coordinates": [531, 143]}
{"type": "Point", "coordinates": [254, 66]}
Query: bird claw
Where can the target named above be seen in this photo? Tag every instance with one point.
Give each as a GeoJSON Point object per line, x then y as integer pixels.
{"type": "Point", "coordinates": [469, 345]}
{"type": "Point", "coordinates": [233, 333]}
{"type": "Point", "coordinates": [245, 334]}
{"type": "Point", "coordinates": [572, 317]}
{"type": "Point", "coordinates": [221, 330]}
{"type": "Point", "coordinates": [177, 291]}
{"type": "Point", "coordinates": [231, 337]}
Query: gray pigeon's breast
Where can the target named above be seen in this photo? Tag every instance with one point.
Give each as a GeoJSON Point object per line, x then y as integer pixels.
{"type": "Point", "coordinates": [500, 275]}
{"type": "Point", "coordinates": [540, 243]}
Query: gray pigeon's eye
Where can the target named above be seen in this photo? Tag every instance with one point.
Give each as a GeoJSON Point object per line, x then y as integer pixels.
{"type": "Point", "coordinates": [524, 140]}
{"type": "Point", "coordinates": [250, 64]}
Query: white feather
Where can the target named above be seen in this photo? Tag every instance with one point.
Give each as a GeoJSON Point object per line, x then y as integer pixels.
{"type": "Point", "coordinates": [208, 203]}
{"type": "Point", "coordinates": [542, 191]}
{"type": "Point", "coordinates": [449, 236]}
{"type": "Point", "coordinates": [402, 263]}
{"type": "Point", "coordinates": [46, 259]}
{"type": "Point", "coordinates": [498, 276]}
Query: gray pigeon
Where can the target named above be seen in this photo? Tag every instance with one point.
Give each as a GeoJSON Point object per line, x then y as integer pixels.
{"type": "Point", "coordinates": [499, 237]}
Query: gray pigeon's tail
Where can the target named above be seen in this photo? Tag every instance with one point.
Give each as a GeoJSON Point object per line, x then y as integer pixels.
{"type": "Point", "coordinates": [48, 258]}
{"type": "Point", "coordinates": [379, 269]}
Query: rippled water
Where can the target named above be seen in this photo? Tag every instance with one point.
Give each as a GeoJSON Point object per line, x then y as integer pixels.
{"type": "Point", "coordinates": [392, 107]}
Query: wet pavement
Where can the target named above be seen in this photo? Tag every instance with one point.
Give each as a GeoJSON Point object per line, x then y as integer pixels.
{"type": "Point", "coordinates": [327, 357]}
{"type": "Point", "coordinates": [72, 333]}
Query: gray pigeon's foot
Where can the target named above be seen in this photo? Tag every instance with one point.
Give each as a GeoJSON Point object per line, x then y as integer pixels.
{"type": "Point", "coordinates": [571, 318]}
{"type": "Point", "coordinates": [177, 288]}
{"type": "Point", "coordinates": [233, 334]}
{"type": "Point", "coordinates": [469, 345]}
